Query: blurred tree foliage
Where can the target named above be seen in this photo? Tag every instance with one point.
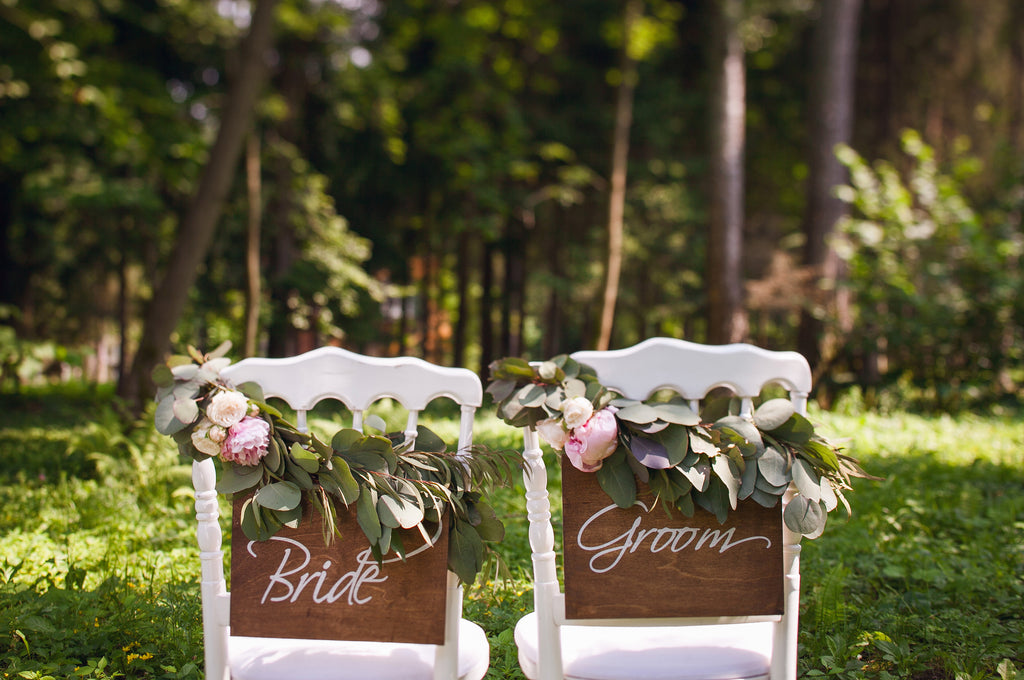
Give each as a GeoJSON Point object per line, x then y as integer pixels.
{"type": "Point", "coordinates": [435, 179]}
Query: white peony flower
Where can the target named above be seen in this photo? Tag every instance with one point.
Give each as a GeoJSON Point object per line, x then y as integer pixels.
{"type": "Point", "coordinates": [553, 433]}
{"type": "Point", "coordinates": [576, 411]}
{"type": "Point", "coordinates": [227, 407]}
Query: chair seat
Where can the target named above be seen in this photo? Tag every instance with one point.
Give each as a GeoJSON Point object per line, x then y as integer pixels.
{"type": "Point", "coordinates": [730, 652]}
{"type": "Point", "coordinates": [278, 659]}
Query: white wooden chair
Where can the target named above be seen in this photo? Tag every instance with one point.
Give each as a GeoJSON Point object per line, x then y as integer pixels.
{"type": "Point", "coordinates": [552, 647]}
{"type": "Point", "coordinates": [357, 381]}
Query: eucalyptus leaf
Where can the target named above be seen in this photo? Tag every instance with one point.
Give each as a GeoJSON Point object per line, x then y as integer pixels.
{"type": "Point", "coordinates": [290, 518]}
{"type": "Point", "coordinates": [748, 481]}
{"type": "Point", "coordinates": [824, 453]}
{"type": "Point", "coordinates": [715, 499]}
{"type": "Point", "coordinates": [366, 515]}
{"type": "Point", "coordinates": [638, 413]}
{"type": "Point", "coordinates": [405, 515]}
{"type": "Point", "coordinates": [185, 410]}
{"type": "Point", "coordinates": [617, 480]}
{"type": "Point", "coordinates": [374, 424]}
{"type": "Point", "coordinates": [805, 516]}
{"type": "Point", "coordinates": [307, 460]}
{"type": "Point", "coordinates": [465, 552]}
{"type": "Point", "coordinates": [796, 430]}
{"type": "Point", "coordinates": [649, 452]}
{"type": "Point", "coordinates": [298, 475]}
{"type": "Point", "coordinates": [548, 370]}
{"type": "Point", "coordinates": [427, 440]}
{"type": "Point", "coordinates": [575, 388]}
{"type": "Point", "coordinates": [500, 390]}
{"type": "Point", "coordinates": [765, 499]}
{"type": "Point", "coordinates": [699, 475]}
{"type": "Point", "coordinates": [774, 467]}
{"type": "Point", "coordinates": [806, 479]}
{"type": "Point", "coordinates": [279, 496]}
{"type": "Point", "coordinates": [252, 390]}
{"type": "Point", "coordinates": [642, 473]}
{"type": "Point", "coordinates": [185, 371]}
{"type": "Point", "coordinates": [680, 414]}
{"type": "Point", "coordinates": [221, 350]}
{"type": "Point", "coordinates": [828, 495]}
{"type": "Point", "coordinates": [162, 376]}
{"type": "Point", "coordinates": [531, 396]}
{"type": "Point", "coordinates": [234, 478]}
{"type": "Point", "coordinates": [676, 441]}
{"type": "Point", "coordinates": [257, 525]}
{"type": "Point", "coordinates": [702, 445]}
{"type": "Point", "coordinates": [344, 439]}
{"type": "Point", "coordinates": [750, 441]}
{"type": "Point", "coordinates": [273, 461]}
{"type": "Point", "coordinates": [165, 420]}
{"type": "Point", "coordinates": [341, 473]}
{"type": "Point", "coordinates": [729, 476]}
{"type": "Point", "coordinates": [773, 413]}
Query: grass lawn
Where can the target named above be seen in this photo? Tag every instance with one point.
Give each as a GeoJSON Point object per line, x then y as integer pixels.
{"type": "Point", "coordinates": [99, 569]}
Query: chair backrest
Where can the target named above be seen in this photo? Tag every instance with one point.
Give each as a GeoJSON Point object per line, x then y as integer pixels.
{"type": "Point", "coordinates": [358, 382]}
{"type": "Point", "coordinates": [692, 371]}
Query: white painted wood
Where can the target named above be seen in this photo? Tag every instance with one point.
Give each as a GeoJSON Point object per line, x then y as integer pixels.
{"type": "Point", "coordinates": [694, 649]}
{"type": "Point", "coordinates": [357, 381]}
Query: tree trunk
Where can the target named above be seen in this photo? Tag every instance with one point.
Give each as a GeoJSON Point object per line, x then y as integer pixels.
{"type": "Point", "coordinates": [463, 275]}
{"type": "Point", "coordinates": [831, 123]}
{"type": "Point", "coordinates": [726, 316]}
{"type": "Point", "coordinates": [487, 353]}
{"type": "Point", "coordinates": [252, 244]}
{"type": "Point", "coordinates": [200, 220]}
{"type": "Point", "coordinates": [620, 164]}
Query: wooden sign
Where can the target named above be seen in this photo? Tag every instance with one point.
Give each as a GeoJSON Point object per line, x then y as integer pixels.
{"type": "Point", "coordinates": [643, 563]}
{"type": "Point", "coordinates": [294, 586]}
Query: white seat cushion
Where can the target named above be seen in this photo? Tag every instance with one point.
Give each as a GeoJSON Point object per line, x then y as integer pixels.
{"type": "Point", "coordinates": [283, 659]}
{"type": "Point", "coordinates": [723, 652]}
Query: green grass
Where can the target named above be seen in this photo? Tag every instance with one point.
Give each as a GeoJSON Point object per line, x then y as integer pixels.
{"type": "Point", "coordinates": [99, 569]}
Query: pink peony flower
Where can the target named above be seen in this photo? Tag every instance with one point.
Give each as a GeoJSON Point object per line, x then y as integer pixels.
{"type": "Point", "coordinates": [553, 433]}
{"type": "Point", "coordinates": [590, 443]}
{"type": "Point", "coordinates": [247, 441]}
{"type": "Point", "coordinates": [227, 408]}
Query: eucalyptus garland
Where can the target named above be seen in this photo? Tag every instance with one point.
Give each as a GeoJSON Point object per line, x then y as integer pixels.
{"type": "Point", "coordinates": [712, 460]}
{"type": "Point", "coordinates": [392, 482]}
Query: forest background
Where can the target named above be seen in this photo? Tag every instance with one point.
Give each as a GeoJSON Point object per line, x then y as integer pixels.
{"type": "Point", "coordinates": [467, 179]}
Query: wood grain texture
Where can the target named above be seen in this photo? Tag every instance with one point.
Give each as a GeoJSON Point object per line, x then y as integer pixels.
{"type": "Point", "coordinates": [647, 564]}
{"type": "Point", "coordinates": [336, 592]}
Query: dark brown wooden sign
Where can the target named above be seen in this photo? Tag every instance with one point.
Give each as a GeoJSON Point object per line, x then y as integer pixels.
{"type": "Point", "coordinates": [294, 586]}
{"type": "Point", "coordinates": [642, 563]}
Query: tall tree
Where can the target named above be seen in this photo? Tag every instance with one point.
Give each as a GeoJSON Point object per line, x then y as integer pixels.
{"type": "Point", "coordinates": [726, 317]}
{"type": "Point", "coordinates": [831, 123]}
{"type": "Point", "coordinates": [620, 164]}
{"type": "Point", "coordinates": [197, 227]}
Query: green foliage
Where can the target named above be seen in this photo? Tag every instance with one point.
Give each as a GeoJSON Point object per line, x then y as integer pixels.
{"type": "Point", "coordinates": [710, 460]}
{"type": "Point", "coordinates": [935, 280]}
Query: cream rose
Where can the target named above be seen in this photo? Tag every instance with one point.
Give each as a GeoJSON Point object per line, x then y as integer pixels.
{"type": "Point", "coordinates": [227, 408]}
{"type": "Point", "coordinates": [576, 411]}
{"type": "Point", "coordinates": [201, 438]}
{"type": "Point", "coordinates": [553, 433]}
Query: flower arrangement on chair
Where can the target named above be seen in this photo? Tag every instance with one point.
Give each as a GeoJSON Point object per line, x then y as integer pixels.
{"type": "Point", "coordinates": [688, 459]}
{"type": "Point", "coordinates": [394, 483]}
